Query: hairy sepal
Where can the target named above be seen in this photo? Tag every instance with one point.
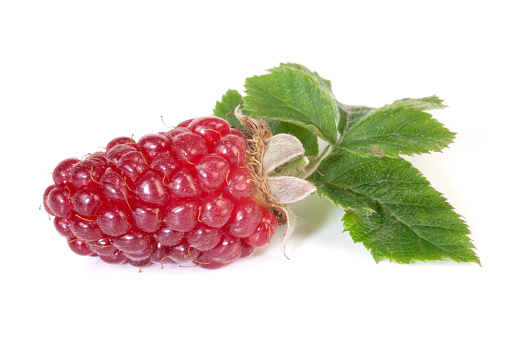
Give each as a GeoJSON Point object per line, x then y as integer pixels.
{"type": "Point", "coordinates": [290, 227]}
{"type": "Point", "coordinates": [282, 149]}
{"type": "Point", "coordinates": [288, 190]}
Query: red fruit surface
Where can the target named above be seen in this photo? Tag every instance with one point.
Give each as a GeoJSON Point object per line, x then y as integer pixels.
{"type": "Point", "coordinates": [160, 255]}
{"type": "Point", "coordinates": [245, 217]}
{"type": "Point", "coordinates": [233, 148]}
{"type": "Point", "coordinates": [216, 211]}
{"type": "Point", "coordinates": [212, 171]}
{"type": "Point", "coordinates": [85, 229]}
{"type": "Point", "coordinates": [103, 246]}
{"type": "Point", "coordinates": [45, 199]}
{"type": "Point", "coordinates": [183, 253]}
{"type": "Point", "coordinates": [62, 171]}
{"type": "Point", "coordinates": [189, 148]}
{"type": "Point", "coordinates": [151, 190]}
{"type": "Point", "coordinates": [183, 196]}
{"type": "Point", "coordinates": [210, 128]}
{"type": "Point", "coordinates": [153, 144]}
{"type": "Point", "coordinates": [63, 227]}
{"type": "Point", "coordinates": [114, 186]}
{"type": "Point", "coordinates": [79, 247]}
{"type": "Point", "coordinates": [204, 238]}
{"type": "Point", "coordinates": [239, 183]}
{"type": "Point", "coordinates": [116, 152]}
{"type": "Point", "coordinates": [182, 215]}
{"type": "Point", "coordinates": [87, 200]}
{"type": "Point", "coordinates": [116, 257]}
{"type": "Point", "coordinates": [146, 218]}
{"type": "Point", "coordinates": [114, 219]}
{"type": "Point", "coordinates": [265, 230]}
{"type": "Point", "coordinates": [119, 141]}
{"type": "Point", "coordinates": [86, 173]}
{"type": "Point", "coordinates": [59, 202]}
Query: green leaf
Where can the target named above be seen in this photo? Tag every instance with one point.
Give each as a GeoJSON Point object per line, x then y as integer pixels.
{"type": "Point", "coordinates": [228, 103]}
{"type": "Point", "coordinates": [294, 96]}
{"type": "Point", "coordinates": [350, 115]}
{"type": "Point", "coordinates": [308, 139]}
{"type": "Point", "coordinates": [396, 129]}
{"type": "Point", "coordinates": [423, 104]}
{"type": "Point", "coordinates": [392, 209]}
{"type": "Point", "coordinates": [325, 83]}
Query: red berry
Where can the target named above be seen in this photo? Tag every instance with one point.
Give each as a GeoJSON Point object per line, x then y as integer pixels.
{"type": "Point", "coordinates": [63, 227]}
{"type": "Point", "coordinates": [132, 164]}
{"type": "Point", "coordinates": [151, 190]}
{"type": "Point", "coordinates": [79, 247]}
{"type": "Point", "coordinates": [160, 255]}
{"type": "Point", "coordinates": [247, 250]}
{"type": "Point", "coordinates": [119, 141]}
{"type": "Point", "coordinates": [181, 215]}
{"type": "Point", "coordinates": [45, 199]}
{"type": "Point", "coordinates": [85, 229]}
{"type": "Point", "coordinates": [183, 253]}
{"type": "Point", "coordinates": [103, 246]}
{"type": "Point", "coordinates": [184, 196]}
{"type": "Point", "coordinates": [228, 250]}
{"type": "Point", "coordinates": [239, 183]}
{"type": "Point", "coordinates": [245, 217]}
{"type": "Point", "coordinates": [115, 258]}
{"type": "Point", "coordinates": [133, 241]}
{"type": "Point", "coordinates": [185, 123]}
{"type": "Point", "coordinates": [113, 219]}
{"type": "Point", "coordinates": [212, 171]}
{"type": "Point", "coordinates": [265, 230]}
{"type": "Point", "coordinates": [139, 263]}
{"type": "Point", "coordinates": [211, 265]}
{"type": "Point", "coordinates": [114, 186]}
{"type": "Point", "coordinates": [236, 132]}
{"type": "Point", "coordinates": [183, 184]}
{"type": "Point", "coordinates": [62, 171]}
{"type": "Point", "coordinates": [189, 148]}
{"type": "Point", "coordinates": [174, 132]}
{"type": "Point", "coordinates": [87, 200]}
{"type": "Point", "coordinates": [153, 144]}
{"type": "Point", "coordinates": [86, 173]}
{"type": "Point", "coordinates": [216, 211]}
{"type": "Point", "coordinates": [168, 237]}
{"type": "Point", "coordinates": [204, 238]}
{"type": "Point", "coordinates": [59, 202]}
{"type": "Point", "coordinates": [144, 253]}
{"type": "Point", "coordinates": [116, 152]}
{"type": "Point", "coordinates": [98, 157]}
{"type": "Point", "coordinates": [233, 148]}
{"type": "Point", "coordinates": [165, 164]}
{"type": "Point", "coordinates": [210, 128]}
{"type": "Point", "coordinates": [146, 218]}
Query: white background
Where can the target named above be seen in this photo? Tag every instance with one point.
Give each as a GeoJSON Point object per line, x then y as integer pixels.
{"type": "Point", "coordinates": [74, 74]}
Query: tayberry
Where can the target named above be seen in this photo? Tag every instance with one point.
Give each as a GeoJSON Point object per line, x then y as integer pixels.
{"type": "Point", "coordinates": [183, 196]}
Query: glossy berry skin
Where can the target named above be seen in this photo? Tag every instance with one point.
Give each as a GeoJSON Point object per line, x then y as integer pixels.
{"type": "Point", "coordinates": [203, 237]}
{"type": "Point", "coordinates": [210, 128]}
{"type": "Point", "coordinates": [59, 202]}
{"type": "Point", "coordinates": [63, 227]}
{"type": "Point", "coordinates": [265, 230]}
{"type": "Point", "coordinates": [62, 171]}
{"type": "Point", "coordinates": [212, 171]}
{"type": "Point", "coordinates": [181, 197]}
{"type": "Point", "coordinates": [85, 229]}
{"type": "Point", "coordinates": [87, 200]}
{"type": "Point", "coordinates": [245, 217]}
